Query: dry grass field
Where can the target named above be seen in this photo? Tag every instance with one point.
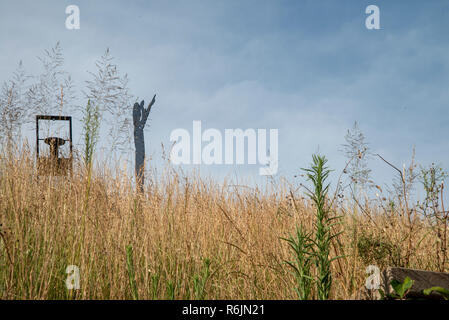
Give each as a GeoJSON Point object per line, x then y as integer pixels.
{"type": "Point", "coordinates": [184, 237]}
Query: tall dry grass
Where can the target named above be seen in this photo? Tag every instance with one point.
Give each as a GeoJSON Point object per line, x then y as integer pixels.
{"type": "Point", "coordinates": [189, 237]}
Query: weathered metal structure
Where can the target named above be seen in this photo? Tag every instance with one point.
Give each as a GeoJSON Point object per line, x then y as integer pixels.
{"type": "Point", "coordinates": [54, 163]}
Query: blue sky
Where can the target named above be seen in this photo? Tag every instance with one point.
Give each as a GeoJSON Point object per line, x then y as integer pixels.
{"type": "Point", "coordinates": [307, 68]}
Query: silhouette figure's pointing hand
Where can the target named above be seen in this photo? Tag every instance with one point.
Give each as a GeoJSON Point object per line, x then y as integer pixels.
{"type": "Point", "coordinates": [151, 103]}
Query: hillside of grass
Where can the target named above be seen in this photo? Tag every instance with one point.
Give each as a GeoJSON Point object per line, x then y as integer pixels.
{"type": "Point", "coordinates": [187, 237]}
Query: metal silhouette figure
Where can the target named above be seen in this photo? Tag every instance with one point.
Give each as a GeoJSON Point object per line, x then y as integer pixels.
{"type": "Point", "coordinates": [140, 116]}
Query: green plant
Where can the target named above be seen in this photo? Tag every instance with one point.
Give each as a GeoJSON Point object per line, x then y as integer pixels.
{"type": "Point", "coordinates": [155, 285]}
{"type": "Point", "coordinates": [315, 250]}
{"type": "Point", "coordinates": [170, 290]}
{"type": "Point", "coordinates": [302, 246]}
{"type": "Point", "coordinates": [432, 179]}
{"type": "Point", "coordinates": [432, 208]}
{"type": "Point", "coordinates": [131, 275]}
{"type": "Point", "coordinates": [199, 281]}
{"type": "Point", "coordinates": [377, 250]}
{"type": "Point", "coordinates": [318, 174]}
{"type": "Point", "coordinates": [401, 289]}
{"type": "Point", "coordinates": [444, 292]}
{"type": "Point", "coordinates": [91, 125]}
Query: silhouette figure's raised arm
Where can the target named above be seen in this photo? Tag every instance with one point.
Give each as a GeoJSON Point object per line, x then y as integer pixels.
{"type": "Point", "coordinates": [146, 112]}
